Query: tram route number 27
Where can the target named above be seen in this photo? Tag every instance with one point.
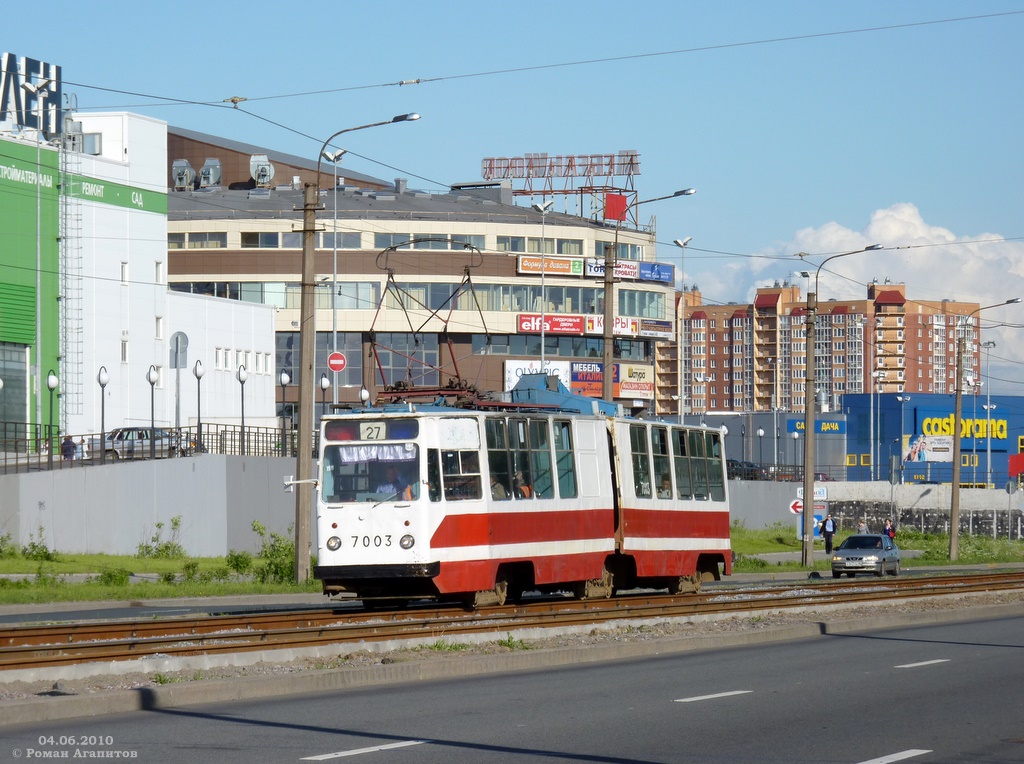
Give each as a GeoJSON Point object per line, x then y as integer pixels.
{"type": "Point", "coordinates": [368, 541]}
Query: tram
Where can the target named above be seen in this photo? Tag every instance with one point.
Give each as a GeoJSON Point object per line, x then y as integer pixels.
{"type": "Point", "coordinates": [482, 500]}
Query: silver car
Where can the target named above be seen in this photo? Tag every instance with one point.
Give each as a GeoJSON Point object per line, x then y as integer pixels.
{"type": "Point", "coordinates": [134, 443]}
{"type": "Point", "coordinates": [866, 553]}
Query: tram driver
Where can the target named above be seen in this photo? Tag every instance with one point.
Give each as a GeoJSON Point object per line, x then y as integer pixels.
{"type": "Point", "coordinates": [393, 485]}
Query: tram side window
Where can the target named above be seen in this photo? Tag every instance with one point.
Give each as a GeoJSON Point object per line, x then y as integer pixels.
{"type": "Point", "coordinates": [497, 459]}
{"type": "Point", "coordinates": [698, 465]}
{"type": "Point", "coordinates": [641, 463]}
{"type": "Point", "coordinates": [715, 479]}
{"type": "Point", "coordinates": [684, 485]}
{"type": "Point", "coordinates": [516, 442]}
{"type": "Point", "coordinates": [461, 475]}
{"type": "Point", "coordinates": [540, 459]}
{"type": "Point", "coordinates": [565, 460]}
{"type": "Point", "coordinates": [434, 474]}
{"type": "Point", "coordinates": [662, 463]}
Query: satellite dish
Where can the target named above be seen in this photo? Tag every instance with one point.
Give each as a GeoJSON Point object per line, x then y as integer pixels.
{"type": "Point", "coordinates": [261, 169]}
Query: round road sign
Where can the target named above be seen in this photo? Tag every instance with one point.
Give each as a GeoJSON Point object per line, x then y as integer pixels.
{"type": "Point", "coordinates": [336, 362]}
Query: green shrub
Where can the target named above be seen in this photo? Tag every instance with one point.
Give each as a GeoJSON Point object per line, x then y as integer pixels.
{"type": "Point", "coordinates": [114, 577]}
{"type": "Point", "coordinates": [276, 555]}
{"type": "Point", "coordinates": [37, 550]}
{"type": "Point", "coordinates": [190, 570]}
{"type": "Point", "coordinates": [239, 562]}
{"type": "Point", "coordinates": [171, 549]}
{"type": "Point", "coordinates": [7, 547]}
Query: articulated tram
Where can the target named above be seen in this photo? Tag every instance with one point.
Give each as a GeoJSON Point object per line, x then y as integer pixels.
{"type": "Point", "coordinates": [484, 501]}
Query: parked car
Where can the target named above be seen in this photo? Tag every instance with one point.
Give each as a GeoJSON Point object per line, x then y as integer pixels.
{"type": "Point", "coordinates": [737, 470]}
{"type": "Point", "coordinates": [866, 553]}
{"type": "Point", "coordinates": [134, 443]}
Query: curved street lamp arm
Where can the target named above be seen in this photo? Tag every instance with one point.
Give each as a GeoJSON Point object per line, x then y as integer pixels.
{"type": "Point", "coordinates": [320, 156]}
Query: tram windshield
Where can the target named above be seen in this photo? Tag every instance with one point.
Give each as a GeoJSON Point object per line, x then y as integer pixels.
{"type": "Point", "coordinates": [370, 472]}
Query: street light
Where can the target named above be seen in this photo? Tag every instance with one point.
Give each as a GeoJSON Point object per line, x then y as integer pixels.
{"type": "Point", "coordinates": [542, 208]}
{"type": "Point", "coordinates": [611, 253]}
{"type": "Point", "coordinates": [241, 375]}
{"type": "Point", "coordinates": [681, 334]}
{"type": "Point", "coordinates": [796, 437]}
{"type": "Point", "coordinates": [760, 448]}
{"type": "Point", "coordinates": [989, 408]}
{"type": "Point", "coordinates": [51, 383]}
{"type": "Point", "coordinates": [198, 371]}
{"type": "Point", "coordinates": [902, 399]}
{"type": "Point", "coordinates": [334, 157]}
{"type": "Point", "coordinates": [325, 383]}
{"type": "Point", "coordinates": [102, 378]}
{"type": "Point", "coordinates": [39, 91]}
{"type": "Point", "coordinates": [807, 553]}
{"type": "Point", "coordinates": [307, 356]}
{"type": "Point", "coordinates": [954, 493]}
{"type": "Point", "coordinates": [284, 379]}
{"type": "Point", "coordinates": [152, 376]}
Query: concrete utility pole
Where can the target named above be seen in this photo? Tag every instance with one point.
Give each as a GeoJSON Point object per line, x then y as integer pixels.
{"type": "Point", "coordinates": [307, 357]}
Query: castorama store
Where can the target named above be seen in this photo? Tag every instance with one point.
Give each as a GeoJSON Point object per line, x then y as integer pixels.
{"type": "Point", "coordinates": [913, 434]}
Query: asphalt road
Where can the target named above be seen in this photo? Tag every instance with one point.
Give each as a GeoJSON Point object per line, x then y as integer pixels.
{"type": "Point", "coordinates": [923, 694]}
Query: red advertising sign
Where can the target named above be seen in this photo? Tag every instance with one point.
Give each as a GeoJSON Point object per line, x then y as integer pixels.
{"type": "Point", "coordinates": [554, 323]}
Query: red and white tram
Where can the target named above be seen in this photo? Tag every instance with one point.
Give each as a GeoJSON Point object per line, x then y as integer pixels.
{"type": "Point", "coordinates": [485, 502]}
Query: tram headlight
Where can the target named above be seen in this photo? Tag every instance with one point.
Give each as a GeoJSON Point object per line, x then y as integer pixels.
{"type": "Point", "coordinates": [407, 542]}
{"type": "Point", "coordinates": [334, 543]}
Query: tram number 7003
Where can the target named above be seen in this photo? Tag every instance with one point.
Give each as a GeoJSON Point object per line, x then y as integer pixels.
{"type": "Point", "coordinates": [368, 541]}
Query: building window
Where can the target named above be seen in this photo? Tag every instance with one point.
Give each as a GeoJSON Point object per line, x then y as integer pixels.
{"type": "Point", "coordinates": [347, 240]}
{"type": "Point", "coordinates": [207, 240]}
{"type": "Point", "coordinates": [124, 351]}
{"type": "Point", "coordinates": [175, 241]}
{"type": "Point", "coordinates": [385, 240]}
{"type": "Point", "coordinates": [260, 240]}
{"type": "Point", "coordinates": [159, 329]}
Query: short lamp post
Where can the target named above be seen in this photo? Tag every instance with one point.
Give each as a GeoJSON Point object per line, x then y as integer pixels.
{"type": "Point", "coordinates": [807, 552]}
{"type": "Point", "coordinates": [325, 385]}
{"type": "Point", "coordinates": [103, 379]}
{"type": "Point", "coordinates": [989, 408]}
{"type": "Point", "coordinates": [760, 448]}
{"type": "Point", "coordinates": [198, 371]}
{"type": "Point", "coordinates": [796, 437]}
{"type": "Point", "coordinates": [241, 375]}
{"type": "Point", "coordinates": [954, 500]}
{"type": "Point", "coordinates": [152, 376]}
{"type": "Point", "coordinates": [52, 380]}
{"type": "Point", "coordinates": [284, 379]}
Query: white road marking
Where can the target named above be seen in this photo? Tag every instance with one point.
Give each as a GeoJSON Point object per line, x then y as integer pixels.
{"type": "Point", "coordinates": [712, 697]}
{"type": "Point", "coordinates": [923, 663]}
{"type": "Point", "coordinates": [356, 752]}
{"type": "Point", "coordinates": [896, 756]}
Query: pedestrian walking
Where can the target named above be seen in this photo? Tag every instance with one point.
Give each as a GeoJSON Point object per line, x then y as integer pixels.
{"type": "Point", "coordinates": [828, 530]}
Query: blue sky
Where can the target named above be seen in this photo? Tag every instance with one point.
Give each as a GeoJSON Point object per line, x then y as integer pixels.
{"type": "Point", "coordinates": [805, 126]}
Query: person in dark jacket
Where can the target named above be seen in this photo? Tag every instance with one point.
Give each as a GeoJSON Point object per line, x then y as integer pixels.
{"type": "Point", "coordinates": [828, 530]}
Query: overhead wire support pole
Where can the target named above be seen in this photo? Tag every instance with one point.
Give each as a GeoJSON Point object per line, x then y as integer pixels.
{"type": "Point", "coordinates": [307, 357]}
{"type": "Point", "coordinates": [807, 549]}
{"type": "Point", "coordinates": [954, 488]}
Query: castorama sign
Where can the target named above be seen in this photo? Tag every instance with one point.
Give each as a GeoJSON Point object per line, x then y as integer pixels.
{"type": "Point", "coordinates": [30, 93]}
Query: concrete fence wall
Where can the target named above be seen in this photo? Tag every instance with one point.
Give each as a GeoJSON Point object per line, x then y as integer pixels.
{"type": "Point", "coordinates": [113, 508]}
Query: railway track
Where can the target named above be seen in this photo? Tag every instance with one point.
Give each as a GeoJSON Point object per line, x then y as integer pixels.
{"type": "Point", "coordinates": [25, 647]}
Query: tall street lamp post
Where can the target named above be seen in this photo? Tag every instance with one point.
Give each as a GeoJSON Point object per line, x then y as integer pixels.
{"type": "Point", "coordinates": [241, 375]}
{"type": "Point", "coordinates": [760, 448]}
{"type": "Point", "coordinates": [796, 437]}
{"type": "Point", "coordinates": [51, 384]}
{"type": "Point", "coordinates": [284, 379]}
{"type": "Point", "coordinates": [102, 379]}
{"type": "Point", "coordinates": [334, 157]}
{"type": "Point", "coordinates": [903, 400]}
{"type": "Point", "coordinates": [307, 355]}
{"type": "Point", "coordinates": [682, 333]}
{"type": "Point", "coordinates": [954, 493]}
{"type": "Point", "coordinates": [542, 208]}
{"type": "Point", "coordinates": [198, 371]}
{"type": "Point", "coordinates": [325, 384]}
{"type": "Point", "coordinates": [611, 253]}
{"type": "Point", "coordinates": [807, 552]}
{"type": "Point", "coordinates": [989, 408]}
{"type": "Point", "coordinates": [152, 376]}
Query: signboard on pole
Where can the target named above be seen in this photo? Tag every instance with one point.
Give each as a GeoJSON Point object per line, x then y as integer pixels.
{"type": "Point", "coordinates": [337, 362]}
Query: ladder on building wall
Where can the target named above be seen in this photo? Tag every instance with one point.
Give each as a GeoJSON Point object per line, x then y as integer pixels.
{"type": "Point", "coordinates": [70, 284]}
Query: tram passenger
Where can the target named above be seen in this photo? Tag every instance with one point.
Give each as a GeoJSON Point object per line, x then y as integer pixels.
{"type": "Point", "coordinates": [665, 492]}
{"type": "Point", "coordinates": [498, 490]}
{"type": "Point", "coordinates": [519, 486]}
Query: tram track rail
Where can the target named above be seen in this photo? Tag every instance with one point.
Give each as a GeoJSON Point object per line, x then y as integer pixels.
{"type": "Point", "coordinates": [39, 646]}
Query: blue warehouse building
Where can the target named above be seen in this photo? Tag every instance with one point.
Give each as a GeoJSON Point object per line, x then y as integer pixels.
{"type": "Point", "coordinates": [915, 434]}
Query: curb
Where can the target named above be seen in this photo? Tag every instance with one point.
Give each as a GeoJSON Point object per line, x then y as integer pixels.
{"type": "Point", "coordinates": [52, 708]}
